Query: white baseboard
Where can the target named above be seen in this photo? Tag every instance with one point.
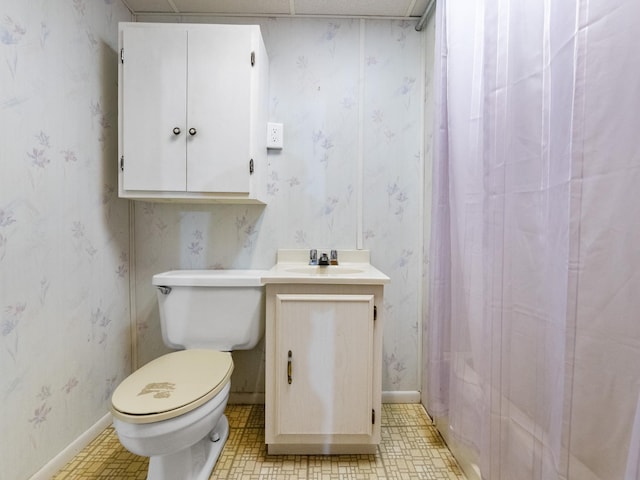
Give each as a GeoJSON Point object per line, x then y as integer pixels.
{"type": "Point", "coordinates": [65, 456]}
{"type": "Point", "coordinates": [242, 398]}
{"type": "Point", "coordinates": [410, 396]}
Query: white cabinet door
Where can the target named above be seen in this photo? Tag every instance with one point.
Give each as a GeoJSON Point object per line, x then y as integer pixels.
{"type": "Point", "coordinates": [324, 366]}
{"type": "Point", "coordinates": [154, 89]}
{"type": "Point", "coordinates": [192, 112]}
{"type": "Point", "coordinates": [219, 86]}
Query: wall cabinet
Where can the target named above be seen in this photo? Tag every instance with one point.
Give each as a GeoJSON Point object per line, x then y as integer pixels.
{"type": "Point", "coordinates": [323, 371]}
{"type": "Point", "coordinates": [192, 112]}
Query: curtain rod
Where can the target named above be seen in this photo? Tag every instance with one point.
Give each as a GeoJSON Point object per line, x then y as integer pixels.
{"type": "Point", "coordinates": [425, 16]}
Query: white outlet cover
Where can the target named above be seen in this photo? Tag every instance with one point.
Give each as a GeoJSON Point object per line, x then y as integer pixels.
{"type": "Point", "coordinates": [275, 135]}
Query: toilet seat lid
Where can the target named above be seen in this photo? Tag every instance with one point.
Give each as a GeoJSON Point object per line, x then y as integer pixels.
{"type": "Point", "coordinates": [171, 385]}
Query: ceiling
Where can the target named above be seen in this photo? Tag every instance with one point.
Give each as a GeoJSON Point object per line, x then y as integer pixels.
{"type": "Point", "coordinates": [331, 8]}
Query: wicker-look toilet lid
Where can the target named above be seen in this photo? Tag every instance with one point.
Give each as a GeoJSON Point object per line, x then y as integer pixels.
{"type": "Point", "coordinates": [171, 385]}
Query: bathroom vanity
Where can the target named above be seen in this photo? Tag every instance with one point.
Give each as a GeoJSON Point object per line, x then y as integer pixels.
{"type": "Point", "coordinates": [323, 355]}
{"type": "Point", "coordinates": [192, 112]}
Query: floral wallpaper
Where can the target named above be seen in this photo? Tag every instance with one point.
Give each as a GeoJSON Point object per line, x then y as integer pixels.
{"type": "Point", "coordinates": [350, 94]}
{"type": "Point", "coordinates": [64, 251]}
{"type": "Point", "coordinates": [340, 81]}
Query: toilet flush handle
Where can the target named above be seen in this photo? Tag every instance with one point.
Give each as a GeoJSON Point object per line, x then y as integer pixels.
{"type": "Point", "coordinates": [164, 290]}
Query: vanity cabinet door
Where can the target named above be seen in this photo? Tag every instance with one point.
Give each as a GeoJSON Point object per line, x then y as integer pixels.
{"type": "Point", "coordinates": [324, 368]}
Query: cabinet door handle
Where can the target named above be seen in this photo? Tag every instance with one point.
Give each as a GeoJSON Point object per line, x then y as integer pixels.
{"type": "Point", "coordinates": [176, 130]}
{"type": "Point", "coordinates": [192, 131]}
{"type": "Point", "coordinates": [289, 368]}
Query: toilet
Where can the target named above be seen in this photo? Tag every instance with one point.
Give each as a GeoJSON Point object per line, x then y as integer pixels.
{"type": "Point", "coordinates": [172, 409]}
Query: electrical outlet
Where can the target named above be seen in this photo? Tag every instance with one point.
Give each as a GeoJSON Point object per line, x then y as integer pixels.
{"type": "Point", "coordinates": [275, 135]}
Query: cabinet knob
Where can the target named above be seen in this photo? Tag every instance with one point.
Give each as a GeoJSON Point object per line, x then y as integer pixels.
{"type": "Point", "coordinates": [289, 368]}
{"type": "Point", "coordinates": [192, 131]}
{"type": "Point", "coordinates": [176, 130]}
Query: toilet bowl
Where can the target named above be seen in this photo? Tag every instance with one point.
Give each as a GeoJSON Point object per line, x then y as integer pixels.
{"type": "Point", "coordinates": [172, 409]}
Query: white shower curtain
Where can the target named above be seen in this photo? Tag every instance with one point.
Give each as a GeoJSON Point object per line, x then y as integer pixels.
{"type": "Point", "coordinates": [533, 332]}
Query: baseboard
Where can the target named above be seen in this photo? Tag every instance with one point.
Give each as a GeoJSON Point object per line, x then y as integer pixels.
{"type": "Point", "coordinates": [238, 398]}
{"type": "Point", "coordinates": [65, 456]}
{"type": "Point", "coordinates": [242, 398]}
{"type": "Point", "coordinates": [409, 396]}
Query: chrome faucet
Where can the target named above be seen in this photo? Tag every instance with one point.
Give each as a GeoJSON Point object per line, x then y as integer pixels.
{"type": "Point", "coordinates": [324, 259]}
{"type": "Point", "coordinates": [331, 259]}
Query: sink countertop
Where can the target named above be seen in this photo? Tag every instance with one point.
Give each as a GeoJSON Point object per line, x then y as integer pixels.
{"type": "Point", "coordinates": [354, 268]}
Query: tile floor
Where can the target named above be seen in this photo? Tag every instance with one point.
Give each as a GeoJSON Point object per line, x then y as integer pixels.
{"type": "Point", "coordinates": [411, 448]}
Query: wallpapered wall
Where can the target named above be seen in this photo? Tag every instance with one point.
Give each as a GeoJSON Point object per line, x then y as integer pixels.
{"type": "Point", "coordinates": [64, 234]}
{"type": "Point", "coordinates": [316, 92]}
{"type": "Point", "coordinates": [64, 279]}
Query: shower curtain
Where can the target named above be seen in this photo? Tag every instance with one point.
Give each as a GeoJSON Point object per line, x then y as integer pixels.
{"type": "Point", "coordinates": [533, 332]}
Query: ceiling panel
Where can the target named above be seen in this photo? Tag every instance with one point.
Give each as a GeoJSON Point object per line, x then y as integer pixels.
{"type": "Point", "coordinates": [242, 7]}
{"type": "Point", "coordinates": [357, 8]}
{"type": "Point", "coordinates": [383, 8]}
{"type": "Point", "coordinates": [156, 6]}
{"type": "Point", "coordinates": [419, 8]}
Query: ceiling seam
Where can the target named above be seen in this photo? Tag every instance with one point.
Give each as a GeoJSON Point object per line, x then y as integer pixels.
{"type": "Point", "coordinates": [128, 7]}
{"type": "Point", "coordinates": [277, 15]}
{"type": "Point", "coordinates": [173, 5]}
{"type": "Point", "coordinates": [410, 9]}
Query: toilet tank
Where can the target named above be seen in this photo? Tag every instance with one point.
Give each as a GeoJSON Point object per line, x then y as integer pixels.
{"type": "Point", "coordinates": [216, 309]}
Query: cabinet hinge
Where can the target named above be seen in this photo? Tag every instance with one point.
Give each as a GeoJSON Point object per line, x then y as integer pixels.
{"type": "Point", "coordinates": [122, 163]}
{"type": "Point", "coordinates": [122, 55]}
{"type": "Point", "coordinates": [253, 58]}
{"type": "Point", "coordinates": [375, 313]}
{"type": "Point", "coordinates": [373, 417]}
{"type": "Point", "coordinates": [251, 166]}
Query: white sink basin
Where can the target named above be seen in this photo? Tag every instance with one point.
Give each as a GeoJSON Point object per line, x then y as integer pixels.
{"type": "Point", "coordinates": [324, 270]}
{"type": "Point", "coordinates": [292, 267]}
